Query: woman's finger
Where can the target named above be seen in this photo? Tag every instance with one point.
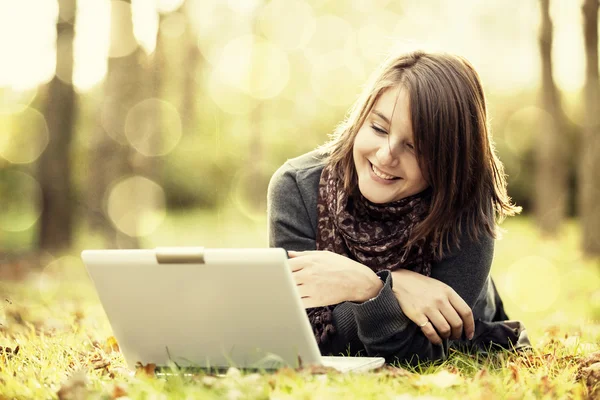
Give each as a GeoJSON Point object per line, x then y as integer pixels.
{"type": "Point", "coordinates": [300, 276]}
{"type": "Point", "coordinates": [430, 332]}
{"type": "Point", "coordinates": [296, 264]}
{"type": "Point", "coordinates": [453, 319]}
{"type": "Point", "coordinates": [465, 313]}
{"type": "Point", "coordinates": [440, 324]}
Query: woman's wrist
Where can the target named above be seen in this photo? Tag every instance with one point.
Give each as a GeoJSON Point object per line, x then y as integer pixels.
{"type": "Point", "coordinates": [369, 288]}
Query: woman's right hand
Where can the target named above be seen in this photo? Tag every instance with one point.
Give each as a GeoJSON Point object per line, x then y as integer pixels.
{"type": "Point", "coordinates": [424, 299]}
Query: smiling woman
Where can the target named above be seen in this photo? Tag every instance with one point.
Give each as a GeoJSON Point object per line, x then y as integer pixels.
{"type": "Point", "coordinates": [391, 225]}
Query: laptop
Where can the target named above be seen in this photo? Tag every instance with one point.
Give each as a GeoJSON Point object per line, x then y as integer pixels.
{"type": "Point", "coordinates": [209, 309]}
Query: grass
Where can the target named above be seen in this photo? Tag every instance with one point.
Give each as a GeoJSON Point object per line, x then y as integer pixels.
{"type": "Point", "coordinates": [65, 348]}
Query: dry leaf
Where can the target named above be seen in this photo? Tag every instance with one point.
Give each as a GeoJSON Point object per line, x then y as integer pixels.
{"type": "Point", "coordinates": [147, 370]}
{"type": "Point", "coordinates": [442, 379]}
{"type": "Point", "coordinates": [317, 369]}
{"type": "Point", "coordinates": [514, 371]}
{"type": "Point", "coordinates": [74, 388]}
{"type": "Point", "coordinates": [481, 374]}
{"type": "Point", "coordinates": [590, 375]}
{"type": "Point", "coordinates": [118, 391]}
{"type": "Point", "coordinates": [111, 345]}
{"type": "Point", "coordinates": [394, 372]}
{"type": "Point", "coordinates": [209, 381]}
{"type": "Point", "coordinates": [590, 359]}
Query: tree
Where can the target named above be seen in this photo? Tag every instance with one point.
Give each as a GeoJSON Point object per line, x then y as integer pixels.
{"type": "Point", "coordinates": [56, 221]}
{"type": "Point", "coordinates": [112, 157]}
{"type": "Point", "coordinates": [551, 157]}
{"type": "Point", "coordinates": [589, 167]}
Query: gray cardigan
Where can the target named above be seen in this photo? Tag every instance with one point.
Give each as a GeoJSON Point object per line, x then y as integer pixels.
{"type": "Point", "coordinates": [378, 326]}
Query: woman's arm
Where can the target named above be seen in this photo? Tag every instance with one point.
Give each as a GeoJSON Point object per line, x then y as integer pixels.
{"type": "Point", "coordinates": [377, 326]}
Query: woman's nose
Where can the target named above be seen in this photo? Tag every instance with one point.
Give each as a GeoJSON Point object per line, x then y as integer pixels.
{"type": "Point", "coordinates": [386, 157]}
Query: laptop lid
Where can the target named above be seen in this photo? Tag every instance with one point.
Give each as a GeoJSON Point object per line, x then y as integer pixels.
{"type": "Point", "coordinates": [208, 308]}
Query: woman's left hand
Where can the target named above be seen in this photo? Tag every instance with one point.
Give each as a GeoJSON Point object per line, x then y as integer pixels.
{"type": "Point", "coordinates": [324, 278]}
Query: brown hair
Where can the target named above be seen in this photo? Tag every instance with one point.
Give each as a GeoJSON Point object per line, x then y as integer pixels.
{"type": "Point", "coordinates": [453, 144]}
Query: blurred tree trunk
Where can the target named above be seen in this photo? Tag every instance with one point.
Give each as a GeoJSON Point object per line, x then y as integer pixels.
{"type": "Point", "coordinates": [256, 190]}
{"type": "Point", "coordinates": [589, 167]}
{"type": "Point", "coordinates": [191, 63]}
{"type": "Point", "coordinates": [551, 155]}
{"type": "Point", "coordinates": [54, 174]}
{"type": "Point", "coordinates": [112, 157]}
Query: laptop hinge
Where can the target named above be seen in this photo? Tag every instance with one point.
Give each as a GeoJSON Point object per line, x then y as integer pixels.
{"type": "Point", "coordinates": [179, 255]}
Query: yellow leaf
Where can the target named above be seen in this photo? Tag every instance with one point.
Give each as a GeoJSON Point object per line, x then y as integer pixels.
{"type": "Point", "coordinates": [442, 379]}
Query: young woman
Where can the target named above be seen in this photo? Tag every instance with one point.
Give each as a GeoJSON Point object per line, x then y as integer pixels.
{"type": "Point", "coordinates": [390, 226]}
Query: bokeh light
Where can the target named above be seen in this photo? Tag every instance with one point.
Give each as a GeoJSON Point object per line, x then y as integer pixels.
{"type": "Point", "coordinates": [91, 43]}
{"type": "Point", "coordinates": [243, 6]}
{"type": "Point", "coordinates": [136, 206]}
{"type": "Point", "coordinates": [254, 65]}
{"type": "Point", "coordinates": [524, 125]}
{"type": "Point", "coordinates": [21, 198]}
{"type": "Point", "coordinates": [230, 99]}
{"type": "Point", "coordinates": [248, 190]}
{"type": "Point", "coordinates": [289, 24]}
{"type": "Point", "coordinates": [215, 26]}
{"type": "Point", "coordinates": [328, 47]}
{"type": "Point", "coordinates": [122, 39]}
{"type": "Point", "coordinates": [13, 101]}
{"type": "Point", "coordinates": [519, 283]}
{"type": "Point", "coordinates": [28, 42]}
{"type": "Point", "coordinates": [24, 136]}
{"type": "Point", "coordinates": [375, 38]}
{"type": "Point", "coordinates": [149, 136]}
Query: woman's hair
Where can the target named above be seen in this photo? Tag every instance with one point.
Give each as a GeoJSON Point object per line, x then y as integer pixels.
{"type": "Point", "coordinates": [453, 144]}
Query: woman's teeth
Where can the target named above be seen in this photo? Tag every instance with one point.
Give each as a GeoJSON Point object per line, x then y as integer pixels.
{"type": "Point", "coordinates": [381, 174]}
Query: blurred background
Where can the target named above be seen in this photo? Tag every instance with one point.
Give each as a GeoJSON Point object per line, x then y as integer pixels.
{"type": "Point", "coordinates": [159, 122]}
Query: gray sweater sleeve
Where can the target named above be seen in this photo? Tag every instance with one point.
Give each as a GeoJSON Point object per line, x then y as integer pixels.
{"type": "Point", "coordinates": [378, 326]}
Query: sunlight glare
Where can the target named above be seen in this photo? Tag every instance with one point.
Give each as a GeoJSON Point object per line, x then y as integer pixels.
{"type": "Point", "coordinates": [122, 39]}
{"type": "Point", "coordinates": [92, 40]}
{"type": "Point", "coordinates": [148, 136]}
{"type": "Point", "coordinates": [136, 206]}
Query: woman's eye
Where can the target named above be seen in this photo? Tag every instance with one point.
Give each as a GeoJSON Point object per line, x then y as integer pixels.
{"type": "Point", "coordinates": [378, 130]}
{"type": "Point", "coordinates": [410, 146]}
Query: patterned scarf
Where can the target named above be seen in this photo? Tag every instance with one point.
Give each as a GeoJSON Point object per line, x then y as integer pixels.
{"type": "Point", "coordinates": [375, 235]}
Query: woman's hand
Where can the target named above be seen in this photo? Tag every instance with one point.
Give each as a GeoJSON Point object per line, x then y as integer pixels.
{"type": "Point", "coordinates": [324, 278]}
{"type": "Point", "coordinates": [428, 301]}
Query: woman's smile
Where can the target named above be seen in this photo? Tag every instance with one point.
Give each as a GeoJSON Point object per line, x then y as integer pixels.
{"type": "Point", "coordinates": [379, 176]}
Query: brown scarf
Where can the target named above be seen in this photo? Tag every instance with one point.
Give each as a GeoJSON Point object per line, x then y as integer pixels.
{"type": "Point", "coordinates": [375, 235]}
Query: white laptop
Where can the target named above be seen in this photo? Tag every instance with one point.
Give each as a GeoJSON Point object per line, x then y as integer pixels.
{"type": "Point", "coordinates": [208, 308]}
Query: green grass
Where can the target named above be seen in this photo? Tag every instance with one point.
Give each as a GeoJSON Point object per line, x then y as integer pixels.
{"type": "Point", "coordinates": [62, 332]}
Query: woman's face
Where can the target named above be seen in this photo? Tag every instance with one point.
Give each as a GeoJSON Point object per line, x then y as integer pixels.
{"type": "Point", "coordinates": [384, 155]}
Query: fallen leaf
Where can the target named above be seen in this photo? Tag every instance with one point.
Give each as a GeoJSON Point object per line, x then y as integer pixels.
{"type": "Point", "coordinates": [394, 372]}
{"type": "Point", "coordinates": [591, 376]}
{"type": "Point", "coordinates": [481, 374]}
{"type": "Point", "coordinates": [118, 391]}
{"type": "Point", "coordinates": [147, 370]}
{"type": "Point", "coordinates": [442, 379]}
{"type": "Point", "coordinates": [317, 369]}
{"type": "Point", "coordinates": [590, 359]}
{"type": "Point", "coordinates": [111, 345]}
{"type": "Point", "coordinates": [74, 387]}
{"type": "Point", "coordinates": [514, 371]}
{"type": "Point", "coordinates": [209, 381]}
